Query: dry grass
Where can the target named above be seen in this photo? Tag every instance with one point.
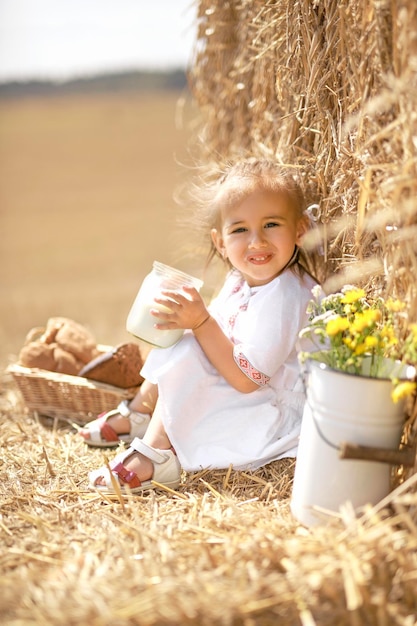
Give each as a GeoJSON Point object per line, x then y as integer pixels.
{"type": "Point", "coordinates": [329, 88]}
{"type": "Point", "coordinates": [223, 550]}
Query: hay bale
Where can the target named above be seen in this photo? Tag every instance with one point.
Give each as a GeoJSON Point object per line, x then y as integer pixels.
{"type": "Point", "coordinates": [331, 89]}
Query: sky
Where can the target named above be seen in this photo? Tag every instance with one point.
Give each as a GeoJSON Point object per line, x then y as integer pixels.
{"type": "Point", "coordinates": [63, 39]}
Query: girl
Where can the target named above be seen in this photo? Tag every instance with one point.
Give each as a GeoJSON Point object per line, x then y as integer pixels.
{"type": "Point", "coordinates": [229, 392]}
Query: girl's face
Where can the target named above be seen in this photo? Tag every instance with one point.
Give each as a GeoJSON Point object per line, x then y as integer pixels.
{"type": "Point", "coordinates": [259, 235]}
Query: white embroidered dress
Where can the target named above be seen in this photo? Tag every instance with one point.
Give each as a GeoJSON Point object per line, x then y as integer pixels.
{"type": "Point", "coordinates": [211, 424]}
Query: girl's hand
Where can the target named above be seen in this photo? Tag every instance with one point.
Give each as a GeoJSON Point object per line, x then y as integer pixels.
{"type": "Point", "coordinates": [186, 309]}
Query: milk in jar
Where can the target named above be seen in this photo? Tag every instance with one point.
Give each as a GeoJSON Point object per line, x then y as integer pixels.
{"type": "Point", "coordinates": [140, 322]}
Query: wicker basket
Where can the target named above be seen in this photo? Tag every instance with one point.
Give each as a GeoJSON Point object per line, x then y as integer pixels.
{"type": "Point", "coordinates": [71, 398]}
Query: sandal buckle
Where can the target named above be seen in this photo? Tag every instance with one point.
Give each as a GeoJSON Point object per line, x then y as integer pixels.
{"type": "Point", "coordinates": [126, 475]}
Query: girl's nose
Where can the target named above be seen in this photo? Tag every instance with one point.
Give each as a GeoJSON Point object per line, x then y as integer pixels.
{"type": "Point", "coordinates": [257, 239]}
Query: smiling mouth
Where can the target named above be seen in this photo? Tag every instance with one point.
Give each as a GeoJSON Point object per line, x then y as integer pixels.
{"type": "Point", "coordinates": [259, 258]}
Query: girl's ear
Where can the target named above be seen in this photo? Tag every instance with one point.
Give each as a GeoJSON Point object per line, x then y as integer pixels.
{"type": "Point", "coordinates": [303, 225]}
{"type": "Point", "coordinates": [218, 241]}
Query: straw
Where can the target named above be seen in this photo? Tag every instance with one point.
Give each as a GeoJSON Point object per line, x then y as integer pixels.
{"type": "Point", "coordinates": [223, 549]}
{"type": "Point", "coordinates": [329, 88]}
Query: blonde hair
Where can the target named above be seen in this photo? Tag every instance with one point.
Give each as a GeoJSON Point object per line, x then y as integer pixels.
{"type": "Point", "coordinates": [236, 182]}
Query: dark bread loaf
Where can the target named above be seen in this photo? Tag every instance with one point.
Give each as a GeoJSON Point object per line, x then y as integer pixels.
{"type": "Point", "coordinates": [119, 367]}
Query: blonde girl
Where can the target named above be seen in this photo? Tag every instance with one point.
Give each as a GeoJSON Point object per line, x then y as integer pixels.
{"type": "Point", "coordinates": [229, 392]}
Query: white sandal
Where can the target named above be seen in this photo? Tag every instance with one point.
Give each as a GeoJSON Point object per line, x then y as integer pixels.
{"type": "Point", "coordinates": [102, 434]}
{"type": "Point", "coordinates": [167, 470]}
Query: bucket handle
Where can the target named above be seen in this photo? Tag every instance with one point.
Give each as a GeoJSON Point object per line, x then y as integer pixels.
{"type": "Point", "coordinates": [406, 456]}
{"type": "Point", "coordinates": [305, 371]}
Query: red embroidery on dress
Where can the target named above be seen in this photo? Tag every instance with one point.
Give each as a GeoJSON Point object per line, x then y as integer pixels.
{"type": "Point", "coordinates": [237, 287]}
{"type": "Point", "coordinates": [232, 319]}
{"type": "Point", "coordinates": [246, 367]}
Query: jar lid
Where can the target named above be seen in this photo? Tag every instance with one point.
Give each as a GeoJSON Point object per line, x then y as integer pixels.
{"type": "Point", "coordinates": [177, 277]}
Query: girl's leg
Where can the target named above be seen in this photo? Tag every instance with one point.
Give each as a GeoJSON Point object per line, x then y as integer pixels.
{"type": "Point", "coordinates": [143, 402]}
{"type": "Point", "coordinates": [145, 399]}
{"type": "Point", "coordinates": [156, 437]}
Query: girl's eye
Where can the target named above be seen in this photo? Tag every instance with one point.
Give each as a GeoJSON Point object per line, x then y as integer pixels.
{"type": "Point", "coordinates": [241, 229]}
{"type": "Point", "coordinates": [271, 224]}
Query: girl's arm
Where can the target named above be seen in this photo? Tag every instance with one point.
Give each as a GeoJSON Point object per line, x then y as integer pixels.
{"type": "Point", "coordinates": [218, 348]}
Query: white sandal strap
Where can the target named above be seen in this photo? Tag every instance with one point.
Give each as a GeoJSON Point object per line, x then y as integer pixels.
{"type": "Point", "coordinates": [167, 469]}
{"type": "Point", "coordinates": [134, 416]}
{"type": "Point", "coordinates": [156, 456]}
{"type": "Point", "coordinates": [123, 409]}
{"type": "Point", "coordinates": [94, 430]}
{"type": "Point", "coordinates": [101, 472]}
{"type": "Point", "coordinates": [139, 418]}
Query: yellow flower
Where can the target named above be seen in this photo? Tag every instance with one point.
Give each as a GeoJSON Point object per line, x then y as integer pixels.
{"type": "Point", "coordinates": [394, 305]}
{"type": "Point", "coordinates": [387, 332]}
{"type": "Point", "coordinates": [365, 320]}
{"type": "Point", "coordinates": [402, 390]}
{"type": "Point", "coordinates": [361, 349]}
{"type": "Point", "coordinates": [413, 329]}
{"type": "Point", "coordinates": [353, 295]}
{"type": "Point", "coordinates": [336, 325]}
{"type": "Point", "coordinates": [371, 342]}
{"type": "Point", "coordinates": [352, 326]}
{"type": "Point", "coordinates": [349, 343]}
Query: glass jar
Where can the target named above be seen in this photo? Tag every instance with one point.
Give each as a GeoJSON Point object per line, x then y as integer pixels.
{"type": "Point", "coordinates": [140, 322]}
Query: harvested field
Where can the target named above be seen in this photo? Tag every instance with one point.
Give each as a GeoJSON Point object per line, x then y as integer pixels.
{"type": "Point", "coordinates": [87, 185]}
{"type": "Point", "coordinates": [224, 549]}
